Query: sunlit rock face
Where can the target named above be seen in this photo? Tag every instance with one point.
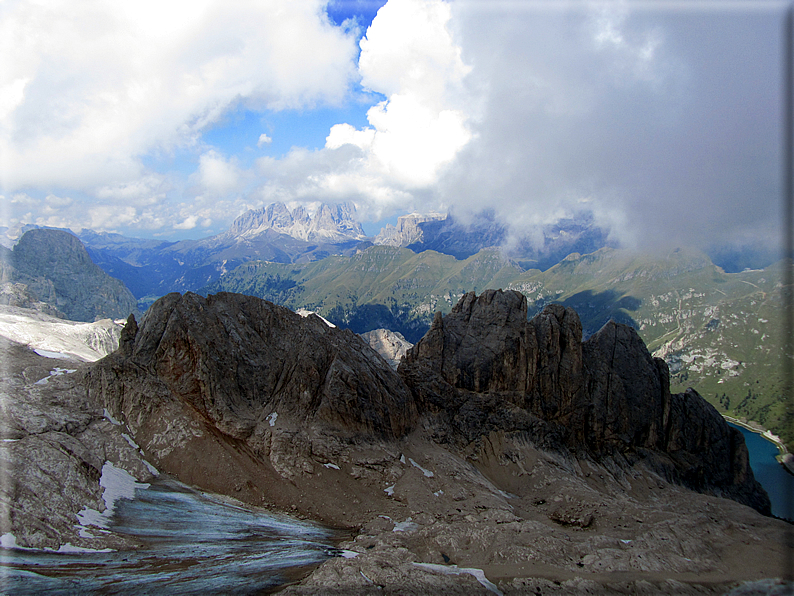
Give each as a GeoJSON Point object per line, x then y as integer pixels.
{"type": "Point", "coordinates": [389, 344]}
{"type": "Point", "coordinates": [485, 368]}
{"type": "Point", "coordinates": [53, 448]}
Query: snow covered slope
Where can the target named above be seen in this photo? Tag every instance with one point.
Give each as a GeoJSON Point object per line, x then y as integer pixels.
{"type": "Point", "coordinates": [54, 338]}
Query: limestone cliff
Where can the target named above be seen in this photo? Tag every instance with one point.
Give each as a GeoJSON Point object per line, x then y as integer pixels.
{"type": "Point", "coordinates": [201, 374]}
{"type": "Point", "coordinates": [389, 344]}
{"type": "Point", "coordinates": [485, 368]}
{"type": "Point", "coordinates": [55, 269]}
{"type": "Point", "coordinates": [228, 365]}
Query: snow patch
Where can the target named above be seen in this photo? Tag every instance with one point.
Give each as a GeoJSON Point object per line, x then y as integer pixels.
{"type": "Point", "coordinates": [58, 338]}
{"type": "Point", "coordinates": [271, 419]}
{"type": "Point", "coordinates": [118, 484]}
{"type": "Point", "coordinates": [402, 458]}
{"type": "Point", "coordinates": [56, 372]}
{"type": "Point", "coordinates": [405, 526]}
{"type": "Point", "coordinates": [332, 466]}
{"type": "Point", "coordinates": [8, 540]}
{"type": "Point", "coordinates": [478, 574]}
{"type": "Point", "coordinates": [427, 473]}
{"type": "Point", "coordinates": [305, 313]}
{"type": "Point", "coordinates": [151, 468]}
{"type": "Point", "coordinates": [129, 440]}
{"type": "Point", "coordinates": [389, 490]}
{"type": "Point", "coordinates": [109, 417]}
{"type": "Point", "coordinates": [348, 554]}
{"type": "Point", "coordinates": [49, 354]}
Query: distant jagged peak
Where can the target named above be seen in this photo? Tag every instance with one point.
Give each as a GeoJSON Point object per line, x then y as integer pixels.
{"type": "Point", "coordinates": [317, 222]}
{"type": "Point", "coordinates": [407, 230]}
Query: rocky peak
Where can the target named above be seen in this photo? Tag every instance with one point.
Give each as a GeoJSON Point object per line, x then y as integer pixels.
{"type": "Point", "coordinates": [407, 231]}
{"type": "Point", "coordinates": [48, 252]}
{"type": "Point", "coordinates": [331, 223]}
{"type": "Point", "coordinates": [484, 368]}
{"type": "Point", "coordinates": [235, 364]}
{"type": "Point", "coordinates": [236, 359]}
{"type": "Point", "coordinates": [56, 269]}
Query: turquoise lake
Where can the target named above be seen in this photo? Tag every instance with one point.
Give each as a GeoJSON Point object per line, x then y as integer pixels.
{"type": "Point", "coordinates": [779, 484]}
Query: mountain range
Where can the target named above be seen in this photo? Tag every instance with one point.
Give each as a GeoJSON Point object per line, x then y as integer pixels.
{"type": "Point", "coordinates": [718, 331]}
{"type": "Point", "coordinates": [506, 454]}
{"type": "Point", "coordinates": [152, 268]}
{"type": "Point", "coordinates": [516, 448]}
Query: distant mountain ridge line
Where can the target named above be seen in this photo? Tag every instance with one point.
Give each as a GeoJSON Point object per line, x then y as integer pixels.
{"type": "Point", "coordinates": [152, 268]}
{"type": "Point", "coordinates": [715, 329]}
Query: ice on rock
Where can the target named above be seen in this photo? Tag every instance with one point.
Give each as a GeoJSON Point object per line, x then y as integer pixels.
{"type": "Point", "coordinates": [118, 484]}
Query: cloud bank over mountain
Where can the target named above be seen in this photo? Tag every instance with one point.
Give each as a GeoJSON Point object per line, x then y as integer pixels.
{"type": "Point", "coordinates": [663, 120]}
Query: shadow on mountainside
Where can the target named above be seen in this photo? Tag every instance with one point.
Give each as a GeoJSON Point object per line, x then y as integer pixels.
{"type": "Point", "coordinates": [595, 309]}
{"type": "Point", "coordinates": [366, 317]}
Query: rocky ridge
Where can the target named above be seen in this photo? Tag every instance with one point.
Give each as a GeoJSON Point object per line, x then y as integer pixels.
{"type": "Point", "coordinates": [236, 362]}
{"type": "Point", "coordinates": [391, 345]}
{"type": "Point", "coordinates": [473, 468]}
{"type": "Point", "coordinates": [330, 223]}
{"type": "Point", "coordinates": [484, 367]}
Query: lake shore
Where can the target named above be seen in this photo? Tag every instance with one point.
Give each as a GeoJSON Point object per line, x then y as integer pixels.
{"type": "Point", "coordinates": [784, 457]}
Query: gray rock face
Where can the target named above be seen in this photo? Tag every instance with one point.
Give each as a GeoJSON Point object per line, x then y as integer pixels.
{"type": "Point", "coordinates": [407, 230]}
{"type": "Point", "coordinates": [57, 270]}
{"type": "Point", "coordinates": [331, 223]}
{"type": "Point", "coordinates": [510, 471]}
{"type": "Point", "coordinates": [18, 295]}
{"type": "Point", "coordinates": [234, 360]}
{"type": "Point", "coordinates": [485, 368]}
{"type": "Point", "coordinates": [53, 450]}
{"type": "Point", "coordinates": [226, 367]}
{"type": "Point", "coordinates": [389, 344]}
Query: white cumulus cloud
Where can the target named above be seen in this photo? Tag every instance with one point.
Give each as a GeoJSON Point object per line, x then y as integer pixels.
{"type": "Point", "coordinates": [89, 87]}
{"type": "Point", "coordinates": [410, 56]}
{"type": "Point", "coordinates": [217, 175]}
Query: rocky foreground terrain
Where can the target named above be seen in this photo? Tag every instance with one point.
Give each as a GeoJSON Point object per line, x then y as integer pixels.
{"type": "Point", "coordinates": [503, 455]}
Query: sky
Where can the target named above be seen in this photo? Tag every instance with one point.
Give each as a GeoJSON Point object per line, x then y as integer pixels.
{"type": "Point", "coordinates": [168, 119]}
